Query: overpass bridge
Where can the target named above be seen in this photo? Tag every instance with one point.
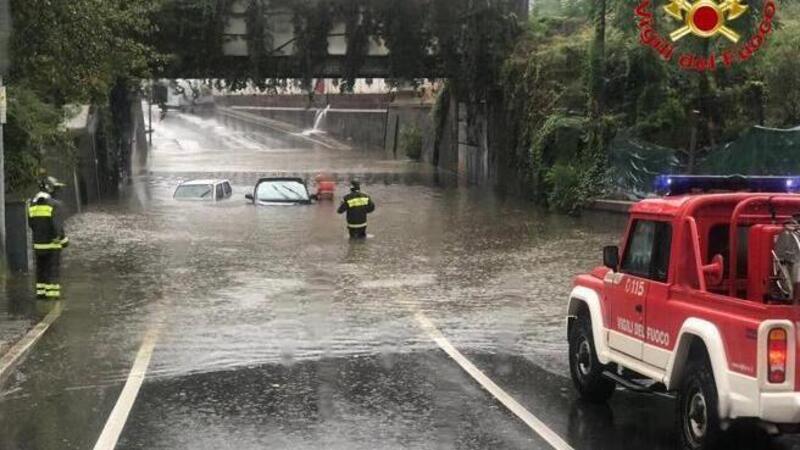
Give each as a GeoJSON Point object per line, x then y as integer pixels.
{"type": "Point", "coordinates": [261, 37]}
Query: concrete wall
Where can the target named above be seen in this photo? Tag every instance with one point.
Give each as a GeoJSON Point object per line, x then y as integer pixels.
{"type": "Point", "coordinates": [19, 252]}
{"type": "Point", "coordinates": [471, 144]}
{"type": "Point", "coordinates": [356, 120]}
{"type": "Point", "coordinates": [402, 116]}
{"type": "Point", "coordinates": [341, 101]}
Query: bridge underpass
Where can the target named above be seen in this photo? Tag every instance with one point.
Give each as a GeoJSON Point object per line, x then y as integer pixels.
{"type": "Point", "coordinates": [287, 66]}
{"type": "Point", "coordinates": [264, 41]}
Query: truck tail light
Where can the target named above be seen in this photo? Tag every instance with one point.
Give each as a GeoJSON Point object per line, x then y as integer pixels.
{"type": "Point", "coordinates": [777, 348]}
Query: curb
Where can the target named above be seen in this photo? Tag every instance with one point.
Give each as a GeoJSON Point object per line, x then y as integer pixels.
{"type": "Point", "coordinates": [614, 206]}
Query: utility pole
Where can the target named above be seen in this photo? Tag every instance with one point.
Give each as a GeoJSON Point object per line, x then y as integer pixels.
{"type": "Point", "coordinates": [5, 33]}
{"type": "Point", "coordinates": [3, 103]}
{"type": "Point", "coordinates": [150, 115]}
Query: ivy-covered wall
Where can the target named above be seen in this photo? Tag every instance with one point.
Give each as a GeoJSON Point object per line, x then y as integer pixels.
{"type": "Point", "coordinates": [579, 76]}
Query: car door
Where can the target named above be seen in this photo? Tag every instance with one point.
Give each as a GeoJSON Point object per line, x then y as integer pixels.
{"type": "Point", "coordinates": [656, 350]}
{"type": "Point", "coordinates": [627, 290]}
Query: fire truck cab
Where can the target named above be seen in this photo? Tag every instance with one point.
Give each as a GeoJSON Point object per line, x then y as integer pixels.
{"type": "Point", "coordinates": [701, 300]}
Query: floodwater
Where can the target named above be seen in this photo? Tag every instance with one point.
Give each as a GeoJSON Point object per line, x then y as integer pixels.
{"type": "Point", "coordinates": [274, 330]}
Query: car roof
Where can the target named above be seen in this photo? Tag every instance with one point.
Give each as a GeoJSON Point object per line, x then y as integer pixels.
{"type": "Point", "coordinates": [299, 180]}
{"type": "Point", "coordinates": [673, 206]}
{"type": "Point", "coordinates": [667, 206]}
{"type": "Point", "coordinates": [201, 182]}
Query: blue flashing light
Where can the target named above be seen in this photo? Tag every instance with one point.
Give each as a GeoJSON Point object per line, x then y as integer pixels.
{"type": "Point", "coordinates": [689, 184]}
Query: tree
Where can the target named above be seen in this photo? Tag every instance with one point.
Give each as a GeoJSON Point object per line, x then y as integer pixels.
{"type": "Point", "coordinates": [65, 52]}
{"type": "Point", "coordinates": [597, 60]}
{"type": "Point", "coordinates": [32, 126]}
{"type": "Point", "coordinates": [74, 50]}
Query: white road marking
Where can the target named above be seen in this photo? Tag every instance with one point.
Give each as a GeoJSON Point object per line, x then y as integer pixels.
{"type": "Point", "coordinates": [532, 421]}
{"type": "Point", "coordinates": [119, 415]}
{"type": "Point", "coordinates": [14, 354]}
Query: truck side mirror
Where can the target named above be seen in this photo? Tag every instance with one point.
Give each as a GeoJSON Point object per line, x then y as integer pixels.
{"type": "Point", "coordinates": [715, 271]}
{"type": "Point", "coordinates": [611, 257]}
{"type": "Point", "coordinates": [249, 197]}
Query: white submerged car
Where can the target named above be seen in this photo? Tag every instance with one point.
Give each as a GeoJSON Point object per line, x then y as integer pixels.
{"type": "Point", "coordinates": [280, 192]}
{"type": "Point", "coordinates": [204, 190]}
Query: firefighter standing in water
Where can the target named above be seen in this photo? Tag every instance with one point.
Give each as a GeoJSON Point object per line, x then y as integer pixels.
{"type": "Point", "coordinates": [357, 205]}
{"type": "Point", "coordinates": [45, 217]}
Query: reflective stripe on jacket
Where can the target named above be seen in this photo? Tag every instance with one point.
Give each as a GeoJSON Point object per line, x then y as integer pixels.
{"type": "Point", "coordinates": [357, 205]}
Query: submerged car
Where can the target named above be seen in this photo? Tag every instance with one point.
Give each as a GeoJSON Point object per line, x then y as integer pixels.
{"type": "Point", "coordinates": [280, 191]}
{"type": "Point", "coordinates": [204, 190]}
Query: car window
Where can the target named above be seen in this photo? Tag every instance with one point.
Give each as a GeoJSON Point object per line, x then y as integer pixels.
{"type": "Point", "coordinates": [194, 192]}
{"type": "Point", "coordinates": [220, 192]}
{"type": "Point", "coordinates": [228, 190]}
{"type": "Point", "coordinates": [281, 191]}
{"type": "Point", "coordinates": [648, 251]}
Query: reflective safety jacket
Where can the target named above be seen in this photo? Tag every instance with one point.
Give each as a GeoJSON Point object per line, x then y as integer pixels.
{"type": "Point", "coordinates": [45, 220]}
{"type": "Point", "coordinates": [357, 205]}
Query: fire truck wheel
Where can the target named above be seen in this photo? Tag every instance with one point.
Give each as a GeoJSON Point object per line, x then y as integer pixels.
{"type": "Point", "coordinates": [698, 409]}
{"type": "Point", "coordinates": [586, 370]}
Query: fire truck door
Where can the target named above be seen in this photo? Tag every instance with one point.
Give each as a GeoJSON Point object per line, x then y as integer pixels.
{"type": "Point", "coordinates": [644, 263]}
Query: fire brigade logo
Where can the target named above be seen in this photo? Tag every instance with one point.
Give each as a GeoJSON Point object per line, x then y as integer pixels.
{"type": "Point", "coordinates": [704, 19]}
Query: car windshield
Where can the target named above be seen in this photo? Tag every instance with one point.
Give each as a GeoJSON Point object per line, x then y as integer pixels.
{"type": "Point", "coordinates": [194, 192]}
{"type": "Point", "coordinates": [282, 191]}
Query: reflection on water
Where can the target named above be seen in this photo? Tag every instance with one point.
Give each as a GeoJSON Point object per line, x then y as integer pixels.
{"type": "Point", "coordinates": [230, 285]}
{"type": "Point", "coordinates": [233, 285]}
{"type": "Point", "coordinates": [238, 285]}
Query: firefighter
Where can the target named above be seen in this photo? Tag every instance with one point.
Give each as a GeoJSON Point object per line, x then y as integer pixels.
{"type": "Point", "coordinates": [325, 186]}
{"type": "Point", "coordinates": [45, 217]}
{"type": "Point", "coordinates": [357, 205]}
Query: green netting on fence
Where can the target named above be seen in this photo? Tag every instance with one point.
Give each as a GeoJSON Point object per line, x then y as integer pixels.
{"type": "Point", "coordinates": [633, 166]}
{"type": "Point", "coordinates": [759, 151]}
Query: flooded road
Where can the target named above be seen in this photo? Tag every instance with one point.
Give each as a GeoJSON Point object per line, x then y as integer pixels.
{"type": "Point", "coordinates": [272, 330]}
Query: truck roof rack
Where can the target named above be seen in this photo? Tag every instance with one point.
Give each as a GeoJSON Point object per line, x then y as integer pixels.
{"type": "Point", "coordinates": [670, 185]}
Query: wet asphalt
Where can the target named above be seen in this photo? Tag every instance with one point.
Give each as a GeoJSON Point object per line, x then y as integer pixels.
{"type": "Point", "coordinates": [274, 331]}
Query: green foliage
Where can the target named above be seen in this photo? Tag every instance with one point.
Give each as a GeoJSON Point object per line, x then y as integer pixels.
{"type": "Point", "coordinates": [411, 142]}
{"type": "Point", "coordinates": [189, 36]}
{"type": "Point", "coordinates": [781, 77]}
{"type": "Point", "coordinates": [564, 182]}
{"type": "Point", "coordinates": [33, 126]}
{"type": "Point", "coordinates": [68, 52]}
{"type": "Point", "coordinates": [580, 71]}
{"type": "Point", "coordinates": [72, 51]}
{"type": "Point", "coordinates": [313, 21]}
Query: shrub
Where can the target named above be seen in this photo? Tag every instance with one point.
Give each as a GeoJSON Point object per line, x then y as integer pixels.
{"type": "Point", "coordinates": [411, 142]}
{"type": "Point", "coordinates": [565, 194]}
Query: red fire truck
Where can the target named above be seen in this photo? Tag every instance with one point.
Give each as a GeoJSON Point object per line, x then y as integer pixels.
{"type": "Point", "coordinates": [701, 301]}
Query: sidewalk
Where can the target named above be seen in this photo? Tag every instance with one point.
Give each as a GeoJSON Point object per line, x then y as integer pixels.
{"type": "Point", "coordinates": [17, 311]}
